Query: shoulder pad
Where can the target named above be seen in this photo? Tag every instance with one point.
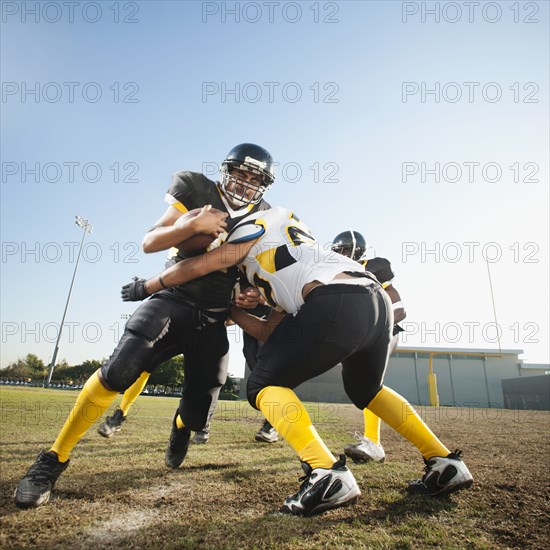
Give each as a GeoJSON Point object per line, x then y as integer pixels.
{"type": "Point", "coordinates": [190, 190]}
{"type": "Point", "coordinates": [245, 232]}
{"type": "Point", "coordinates": [263, 205]}
{"type": "Point", "coordinates": [381, 268]}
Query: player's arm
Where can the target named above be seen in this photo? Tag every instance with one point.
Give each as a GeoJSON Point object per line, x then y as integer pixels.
{"type": "Point", "coordinates": [399, 312]}
{"type": "Point", "coordinates": [260, 329]}
{"type": "Point", "coordinates": [226, 255]}
{"type": "Point", "coordinates": [174, 226]}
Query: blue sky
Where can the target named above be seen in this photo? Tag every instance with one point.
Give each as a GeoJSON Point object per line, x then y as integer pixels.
{"type": "Point", "coordinates": [359, 138]}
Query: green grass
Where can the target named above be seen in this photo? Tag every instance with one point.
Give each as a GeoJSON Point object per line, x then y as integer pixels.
{"type": "Point", "coordinates": [117, 493]}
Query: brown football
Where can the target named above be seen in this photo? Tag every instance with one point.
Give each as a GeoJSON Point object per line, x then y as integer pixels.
{"type": "Point", "coordinates": [199, 241]}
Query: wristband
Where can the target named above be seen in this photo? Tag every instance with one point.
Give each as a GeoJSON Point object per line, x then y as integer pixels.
{"type": "Point", "coordinates": [162, 283]}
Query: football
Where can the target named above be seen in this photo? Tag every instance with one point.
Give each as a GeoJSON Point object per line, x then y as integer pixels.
{"type": "Point", "coordinates": [199, 241]}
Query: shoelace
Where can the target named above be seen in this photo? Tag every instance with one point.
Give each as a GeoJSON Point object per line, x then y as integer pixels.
{"type": "Point", "coordinates": [42, 471]}
{"type": "Point", "coordinates": [305, 479]}
{"type": "Point", "coordinates": [456, 454]}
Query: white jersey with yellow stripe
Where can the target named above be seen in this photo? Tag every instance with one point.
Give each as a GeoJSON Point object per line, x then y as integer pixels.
{"type": "Point", "coordinates": [286, 257]}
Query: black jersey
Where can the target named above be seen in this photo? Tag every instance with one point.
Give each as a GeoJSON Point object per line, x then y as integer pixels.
{"type": "Point", "coordinates": [190, 190]}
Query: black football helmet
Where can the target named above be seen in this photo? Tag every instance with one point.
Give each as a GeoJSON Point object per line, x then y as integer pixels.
{"type": "Point", "coordinates": [249, 158]}
{"type": "Point", "coordinates": [351, 244]}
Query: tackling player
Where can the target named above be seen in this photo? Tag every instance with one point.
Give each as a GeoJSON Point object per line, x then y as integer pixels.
{"type": "Point", "coordinates": [335, 312]}
{"type": "Point", "coordinates": [188, 318]}
{"type": "Point", "coordinates": [353, 245]}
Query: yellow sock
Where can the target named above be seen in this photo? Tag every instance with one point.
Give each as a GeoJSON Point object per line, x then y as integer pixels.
{"type": "Point", "coordinates": [132, 393]}
{"type": "Point", "coordinates": [179, 422]}
{"type": "Point", "coordinates": [372, 426]}
{"type": "Point", "coordinates": [401, 416]}
{"type": "Point", "coordinates": [287, 415]}
{"type": "Point", "coordinates": [90, 404]}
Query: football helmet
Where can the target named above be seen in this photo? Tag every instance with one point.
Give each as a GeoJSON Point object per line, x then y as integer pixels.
{"type": "Point", "coordinates": [351, 244]}
{"type": "Point", "coordinates": [246, 157]}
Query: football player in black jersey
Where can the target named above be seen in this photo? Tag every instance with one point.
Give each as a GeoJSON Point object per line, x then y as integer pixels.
{"type": "Point", "coordinates": [188, 318]}
{"type": "Point", "coordinates": [353, 245]}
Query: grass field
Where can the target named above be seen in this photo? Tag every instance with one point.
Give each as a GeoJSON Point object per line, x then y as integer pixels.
{"type": "Point", "coordinates": [117, 493]}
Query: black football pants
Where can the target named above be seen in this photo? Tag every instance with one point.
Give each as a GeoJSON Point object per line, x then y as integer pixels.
{"type": "Point", "coordinates": [166, 326]}
{"type": "Point", "coordinates": [348, 324]}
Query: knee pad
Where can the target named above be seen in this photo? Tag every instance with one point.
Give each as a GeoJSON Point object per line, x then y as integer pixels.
{"type": "Point", "coordinates": [127, 362]}
{"type": "Point", "coordinates": [149, 323]}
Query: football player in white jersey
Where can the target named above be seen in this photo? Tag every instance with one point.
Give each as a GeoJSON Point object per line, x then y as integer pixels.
{"type": "Point", "coordinates": [326, 310]}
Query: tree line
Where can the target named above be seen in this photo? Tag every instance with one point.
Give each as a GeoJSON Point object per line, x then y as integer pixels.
{"type": "Point", "coordinates": [32, 369]}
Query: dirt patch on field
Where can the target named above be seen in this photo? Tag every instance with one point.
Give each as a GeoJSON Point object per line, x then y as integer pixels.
{"type": "Point", "coordinates": [120, 527]}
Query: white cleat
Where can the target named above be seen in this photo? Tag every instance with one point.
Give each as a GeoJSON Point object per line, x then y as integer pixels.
{"type": "Point", "coordinates": [365, 451]}
{"type": "Point", "coordinates": [200, 438]}
{"type": "Point", "coordinates": [443, 475]}
{"type": "Point", "coordinates": [267, 433]}
{"type": "Point", "coordinates": [112, 424]}
{"type": "Point", "coordinates": [323, 489]}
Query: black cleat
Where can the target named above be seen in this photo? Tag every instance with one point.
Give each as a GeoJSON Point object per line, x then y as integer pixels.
{"type": "Point", "coordinates": [443, 475]}
{"type": "Point", "coordinates": [35, 488]}
{"type": "Point", "coordinates": [112, 424]}
{"type": "Point", "coordinates": [323, 489]}
{"type": "Point", "coordinates": [178, 444]}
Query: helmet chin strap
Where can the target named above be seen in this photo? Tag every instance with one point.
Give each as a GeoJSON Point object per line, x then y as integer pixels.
{"type": "Point", "coordinates": [237, 204]}
{"type": "Point", "coordinates": [230, 201]}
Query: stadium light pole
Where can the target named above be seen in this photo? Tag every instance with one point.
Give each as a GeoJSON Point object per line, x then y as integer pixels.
{"type": "Point", "coordinates": [87, 228]}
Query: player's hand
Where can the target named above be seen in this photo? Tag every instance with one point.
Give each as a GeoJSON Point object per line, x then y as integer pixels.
{"type": "Point", "coordinates": [208, 222]}
{"type": "Point", "coordinates": [134, 291]}
{"type": "Point", "coordinates": [249, 299]}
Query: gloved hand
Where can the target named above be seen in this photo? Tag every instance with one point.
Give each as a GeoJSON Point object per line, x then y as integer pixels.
{"type": "Point", "coordinates": [134, 291]}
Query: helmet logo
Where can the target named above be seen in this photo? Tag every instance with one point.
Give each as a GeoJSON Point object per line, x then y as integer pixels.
{"type": "Point", "coordinates": [254, 162]}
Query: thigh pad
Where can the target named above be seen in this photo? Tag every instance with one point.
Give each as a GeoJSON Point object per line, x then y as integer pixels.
{"type": "Point", "coordinates": [151, 319]}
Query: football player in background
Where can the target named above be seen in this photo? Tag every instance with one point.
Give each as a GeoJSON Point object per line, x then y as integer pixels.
{"type": "Point", "coordinates": [113, 424]}
{"type": "Point", "coordinates": [188, 318]}
{"type": "Point", "coordinates": [251, 348]}
{"type": "Point", "coordinates": [266, 433]}
{"type": "Point", "coordinates": [324, 313]}
{"type": "Point", "coordinates": [353, 245]}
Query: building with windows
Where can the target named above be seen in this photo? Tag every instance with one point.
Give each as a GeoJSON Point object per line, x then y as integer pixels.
{"type": "Point", "coordinates": [463, 378]}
